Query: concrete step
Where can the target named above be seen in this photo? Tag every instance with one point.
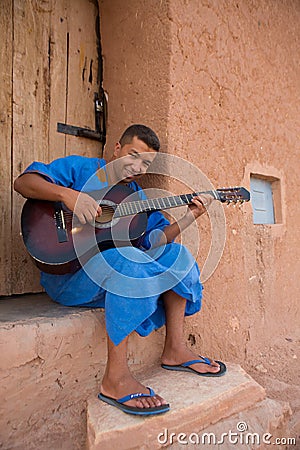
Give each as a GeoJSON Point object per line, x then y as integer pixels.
{"type": "Point", "coordinates": [196, 403]}
{"type": "Point", "coordinates": [52, 359]}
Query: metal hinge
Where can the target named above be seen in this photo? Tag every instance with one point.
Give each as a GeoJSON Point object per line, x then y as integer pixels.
{"type": "Point", "coordinates": [99, 134]}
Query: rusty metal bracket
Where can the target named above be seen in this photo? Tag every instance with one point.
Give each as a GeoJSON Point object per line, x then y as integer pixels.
{"type": "Point", "coordinates": [78, 131]}
{"type": "Point", "coordinates": [97, 134]}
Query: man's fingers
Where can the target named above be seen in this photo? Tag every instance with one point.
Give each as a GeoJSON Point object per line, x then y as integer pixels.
{"type": "Point", "coordinates": [86, 208]}
{"type": "Point", "coordinates": [205, 200]}
{"type": "Point", "coordinates": [91, 213]}
{"type": "Point", "coordinates": [199, 202]}
{"type": "Point", "coordinates": [81, 218]}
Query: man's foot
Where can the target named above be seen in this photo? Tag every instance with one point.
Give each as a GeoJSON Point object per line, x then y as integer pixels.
{"type": "Point", "coordinates": [121, 404]}
{"type": "Point", "coordinates": [116, 388]}
{"type": "Point", "coordinates": [184, 359]}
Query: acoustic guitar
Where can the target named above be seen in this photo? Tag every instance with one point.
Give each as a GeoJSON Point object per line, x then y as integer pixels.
{"type": "Point", "coordinates": [56, 240]}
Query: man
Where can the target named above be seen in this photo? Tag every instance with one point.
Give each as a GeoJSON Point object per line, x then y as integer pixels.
{"type": "Point", "coordinates": [167, 270]}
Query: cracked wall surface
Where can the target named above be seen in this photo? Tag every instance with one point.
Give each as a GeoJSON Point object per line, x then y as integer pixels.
{"type": "Point", "coordinates": [219, 81]}
{"type": "Point", "coordinates": [234, 110]}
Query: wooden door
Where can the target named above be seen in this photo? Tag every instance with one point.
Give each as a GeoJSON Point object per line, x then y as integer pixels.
{"type": "Point", "coordinates": [49, 73]}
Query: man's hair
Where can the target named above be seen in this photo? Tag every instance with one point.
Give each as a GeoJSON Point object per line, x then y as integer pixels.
{"type": "Point", "coordinates": [143, 133]}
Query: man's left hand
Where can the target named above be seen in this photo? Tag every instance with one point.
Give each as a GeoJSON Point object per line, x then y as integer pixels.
{"type": "Point", "coordinates": [200, 204]}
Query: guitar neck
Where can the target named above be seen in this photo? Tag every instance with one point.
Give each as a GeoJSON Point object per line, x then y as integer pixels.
{"type": "Point", "coordinates": [158, 204]}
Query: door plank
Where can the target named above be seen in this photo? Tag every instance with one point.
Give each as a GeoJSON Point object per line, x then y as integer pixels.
{"type": "Point", "coordinates": [31, 106]}
{"type": "Point", "coordinates": [49, 66]}
{"type": "Point", "coordinates": [82, 75]}
{"type": "Point", "coordinates": [5, 140]}
{"type": "Point", "coordinates": [58, 76]}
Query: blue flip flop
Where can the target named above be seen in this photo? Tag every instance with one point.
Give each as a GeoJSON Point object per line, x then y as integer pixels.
{"type": "Point", "coordinates": [185, 367]}
{"type": "Point", "coordinates": [119, 403]}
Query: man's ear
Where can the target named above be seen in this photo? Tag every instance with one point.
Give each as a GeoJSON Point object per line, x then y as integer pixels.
{"type": "Point", "coordinates": [117, 149]}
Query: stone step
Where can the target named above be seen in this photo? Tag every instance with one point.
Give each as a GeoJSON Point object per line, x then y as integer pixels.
{"type": "Point", "coordinates": [52, 359]}
{"type": "Point", "coordinates": [196, 403]}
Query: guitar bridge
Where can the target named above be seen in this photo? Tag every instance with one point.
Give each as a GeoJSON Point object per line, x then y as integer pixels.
{"type": "Point", "coordinates": [61, 230]}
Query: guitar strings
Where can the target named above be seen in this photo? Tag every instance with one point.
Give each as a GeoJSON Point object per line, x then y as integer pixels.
{"type": "Point", "coordinates": [134, 207]}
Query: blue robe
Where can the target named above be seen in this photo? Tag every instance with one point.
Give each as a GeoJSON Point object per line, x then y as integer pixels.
{"type": "Point", "coordinates": [127, 282]}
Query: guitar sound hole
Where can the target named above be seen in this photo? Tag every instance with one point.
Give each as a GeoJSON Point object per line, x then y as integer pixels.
{"type": "Point", "coordinates": [107, 214]}
{"type": "Point", "coordinates": [106, 220]}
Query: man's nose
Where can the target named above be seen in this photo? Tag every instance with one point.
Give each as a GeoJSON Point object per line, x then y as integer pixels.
{"type": "Point", "coordinates": [138, 167]}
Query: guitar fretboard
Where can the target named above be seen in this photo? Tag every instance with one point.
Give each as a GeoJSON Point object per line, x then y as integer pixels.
{"type": "Point", "coordinates": [157, 204]}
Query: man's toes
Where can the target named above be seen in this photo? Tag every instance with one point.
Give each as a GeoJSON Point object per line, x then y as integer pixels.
{"type": "Point", "coordinates": [141, 404]}
{"type": "Point", "coordinates": [156, 400]}
{"type": "Point", "coordinates": [214, 368]}
{"type": "Point", "coordinates": [148, 402]}
{"type": "Point", "coordinates": [153, 402]}
{"type": "Point", "coordinates": [162, 401]}
{"type": "Point", "coordinates": [215, 364]}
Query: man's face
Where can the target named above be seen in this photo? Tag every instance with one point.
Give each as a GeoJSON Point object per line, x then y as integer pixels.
{"type": "Point", "coordinates": [132, 160]}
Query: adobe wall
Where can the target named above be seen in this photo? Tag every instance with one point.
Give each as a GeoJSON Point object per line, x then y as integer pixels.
{"type": "Point", "coordinates": [234, 85]}
{"type": "Point", "coordinates": [136, 50]}
{"type": "Point", "coordinates": [219, 82]}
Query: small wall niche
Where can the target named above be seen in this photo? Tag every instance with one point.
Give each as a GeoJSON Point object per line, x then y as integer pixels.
{"type": "Point", "coordinates": [265, 199]}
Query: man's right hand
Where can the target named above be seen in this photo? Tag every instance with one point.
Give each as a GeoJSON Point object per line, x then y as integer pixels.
{"type": "Point", "coordinates": [83, 205]}
{"type": "Point", "coordinates": [33, 185]}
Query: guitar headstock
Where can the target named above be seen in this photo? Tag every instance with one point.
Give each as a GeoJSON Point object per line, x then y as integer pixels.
{"type": "Point", "coordinates": [233, 195]}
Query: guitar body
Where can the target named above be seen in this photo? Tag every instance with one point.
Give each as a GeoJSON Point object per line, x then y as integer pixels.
{"type": "Point", "coordinates": [57, 241]}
